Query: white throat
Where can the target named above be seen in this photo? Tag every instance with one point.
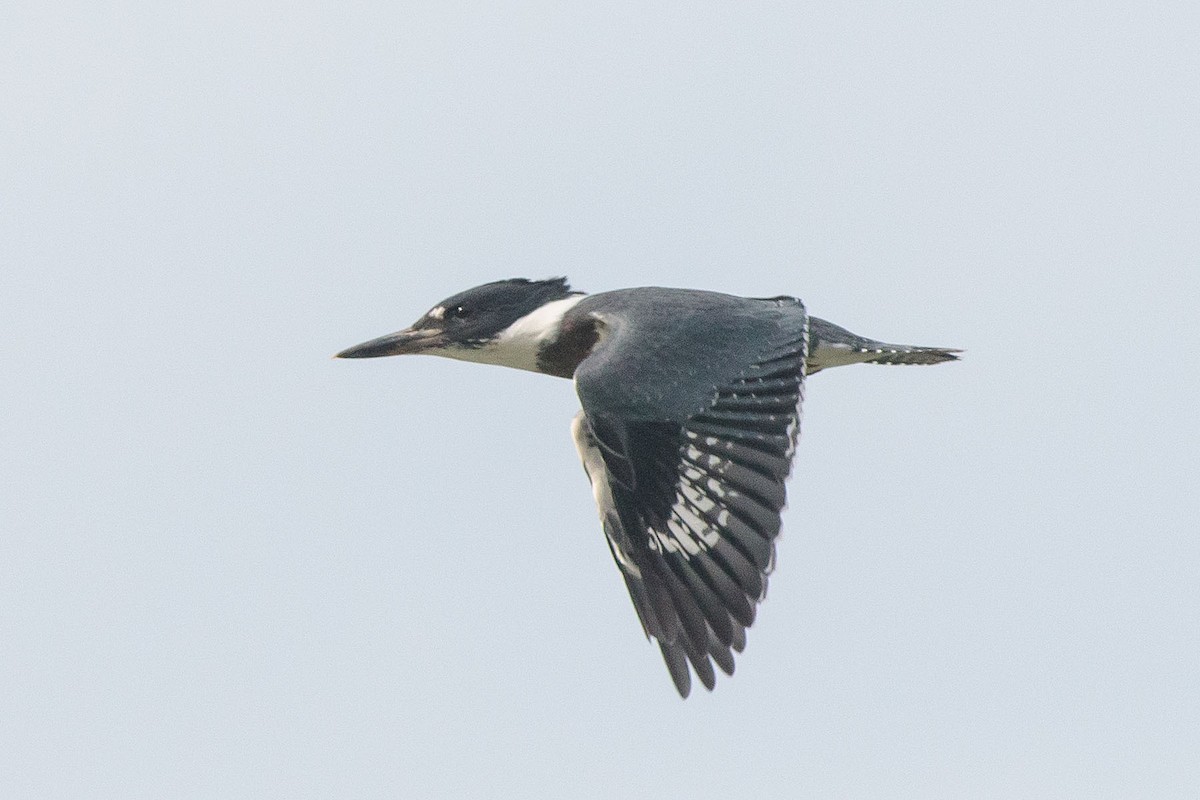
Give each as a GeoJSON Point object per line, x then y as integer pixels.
{"type": "Point", "coordinates": [518, 345]}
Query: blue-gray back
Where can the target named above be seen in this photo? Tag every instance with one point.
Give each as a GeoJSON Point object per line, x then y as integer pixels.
{"type": "Point", "coordinates": [664, 352]}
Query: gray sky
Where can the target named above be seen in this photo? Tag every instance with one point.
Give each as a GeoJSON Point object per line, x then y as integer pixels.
{"type": "Point", "coordinates": [233, 567]}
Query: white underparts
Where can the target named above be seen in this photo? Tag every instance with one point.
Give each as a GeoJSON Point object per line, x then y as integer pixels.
{"type": "Point", "coordinates": [593, 465]}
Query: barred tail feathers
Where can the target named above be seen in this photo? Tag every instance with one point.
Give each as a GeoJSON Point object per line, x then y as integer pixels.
{"type": "Point", "coordinates": [900, 354]}
{"type": "Point", "coordinates": [834, 346]}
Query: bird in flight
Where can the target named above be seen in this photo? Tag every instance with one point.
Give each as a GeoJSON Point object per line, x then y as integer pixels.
{"type": "Point", "coordinates": [690, 414]}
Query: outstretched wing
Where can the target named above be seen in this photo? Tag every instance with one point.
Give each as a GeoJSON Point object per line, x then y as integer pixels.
{"type": "Point", "coordinates": [690, 502]}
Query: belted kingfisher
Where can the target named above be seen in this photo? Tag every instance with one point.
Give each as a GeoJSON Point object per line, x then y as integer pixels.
{"type": "Point", "coordinates": [691, 411]}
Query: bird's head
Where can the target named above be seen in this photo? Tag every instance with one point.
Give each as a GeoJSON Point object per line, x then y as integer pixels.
{"type": "Point", "coordinates": [504, 322]}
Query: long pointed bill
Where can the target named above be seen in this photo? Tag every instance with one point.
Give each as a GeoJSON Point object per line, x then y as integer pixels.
{"type": "Point", "coordinates": [400, 343]}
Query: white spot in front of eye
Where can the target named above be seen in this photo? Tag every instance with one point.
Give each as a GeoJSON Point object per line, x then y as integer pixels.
{"type": "Point", "coordinates": [437, 312]}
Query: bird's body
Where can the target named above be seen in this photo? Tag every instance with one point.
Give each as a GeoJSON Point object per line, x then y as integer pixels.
{"type": "Point", "coordinates": [690, 414]}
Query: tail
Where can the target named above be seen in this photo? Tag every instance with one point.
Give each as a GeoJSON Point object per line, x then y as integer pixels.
{"type": "Point", "coordinates": [904, 354]}
{"type": "Point", "coordinates": [833, 346]}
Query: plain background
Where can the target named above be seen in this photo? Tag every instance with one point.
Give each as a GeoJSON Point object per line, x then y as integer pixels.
{"type": "Point", "coordinates": [233, 567]}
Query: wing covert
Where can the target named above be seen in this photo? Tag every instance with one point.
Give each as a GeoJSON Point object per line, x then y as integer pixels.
{"type": "Point", "coordinates": [690, 500]}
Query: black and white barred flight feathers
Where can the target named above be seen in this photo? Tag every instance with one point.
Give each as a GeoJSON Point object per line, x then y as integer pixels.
{"type": "Point", "coordinates": [690, 415]}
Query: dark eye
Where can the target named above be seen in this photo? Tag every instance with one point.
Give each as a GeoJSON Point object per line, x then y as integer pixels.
{"type": "Point", "coordinates": [458, 312]}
